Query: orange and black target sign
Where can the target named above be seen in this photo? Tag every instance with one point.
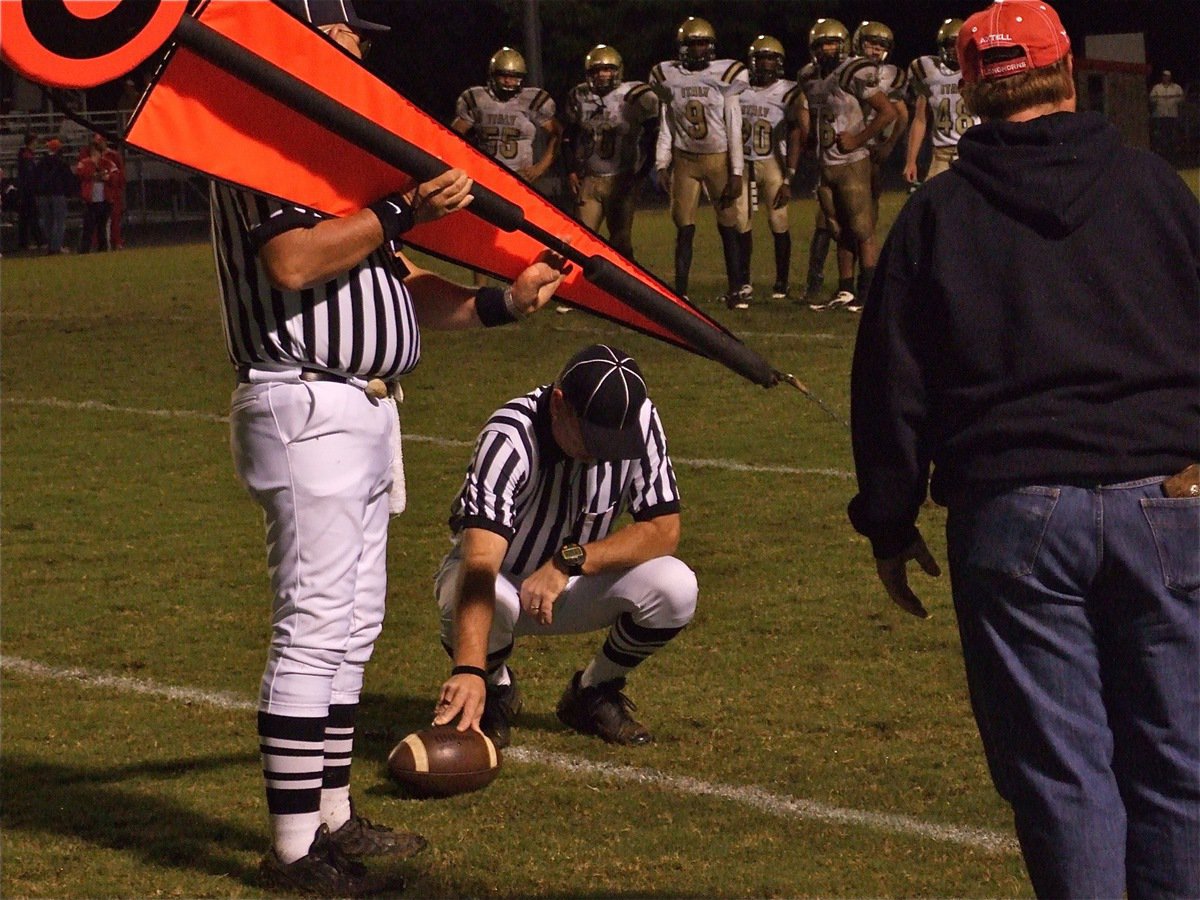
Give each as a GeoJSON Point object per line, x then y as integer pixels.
{"type": "Point", "coordinates": [83, 43]}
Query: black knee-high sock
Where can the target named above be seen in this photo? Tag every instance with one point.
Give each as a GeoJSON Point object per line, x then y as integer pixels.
{"type": "Point", "coordinates": [818, 252]}
{"type": "Point", "coordinates": [293, 761]}
{"type": "Point", "coordinates": [783, 256]}
{"type": "Point", "coordinates": [733, 255]}
{"type": "Point", "coordinates": [746, 250]}
{"type": "Point", "coordinates": [684, 238]}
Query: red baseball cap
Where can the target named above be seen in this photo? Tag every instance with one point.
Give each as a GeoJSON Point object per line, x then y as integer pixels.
{"type": "Point", "coordinates": [1029, 29]}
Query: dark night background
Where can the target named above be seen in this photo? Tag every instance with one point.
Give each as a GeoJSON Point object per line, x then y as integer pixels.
{"type": "Point", "coordinates": [439, 47]}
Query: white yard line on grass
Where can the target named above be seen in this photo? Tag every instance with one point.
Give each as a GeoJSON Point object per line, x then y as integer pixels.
{"type": "Point", "coordinates": [755, 798]}
{"type": "Point", "coordinates": [730, 465]}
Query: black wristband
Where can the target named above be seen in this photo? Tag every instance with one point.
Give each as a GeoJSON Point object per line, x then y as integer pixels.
{"type": "Point", "coordinates": [491, 308]}
{"type": "Point", "coordinates": [469, 670]}
{"type": "Point", "coordinates": [394, 214]}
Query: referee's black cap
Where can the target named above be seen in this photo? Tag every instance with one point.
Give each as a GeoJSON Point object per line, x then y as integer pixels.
{"type": "Point", "coordinates": [605, 388]}
{"type": "Point", "coordinates": [329, 12]}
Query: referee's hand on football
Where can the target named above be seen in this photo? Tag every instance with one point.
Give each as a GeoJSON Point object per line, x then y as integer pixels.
{"type": "Point", "coordinates": [893, 573]}
{"type": "Point", "coordinates": [464, 694]}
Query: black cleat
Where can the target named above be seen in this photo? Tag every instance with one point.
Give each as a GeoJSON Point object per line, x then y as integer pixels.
{"type": "Point", "coordinates": [602, 710]}
{"type": "Point", "coordinates": [360, 837]}
{"type": "Point", "coordinates": [325, 872]}
{"type": "Point", "coordinates": [500, 710]}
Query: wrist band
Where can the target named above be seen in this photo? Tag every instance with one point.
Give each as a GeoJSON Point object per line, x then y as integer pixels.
{"type": "Point", "coordinates": [394, 214]}
{"type": "Point", "coordinates": [469, 670]}
{"type": "Point", "coordinates": [791, 173]}
{"type": "Point", "coordinates": [494, 306]}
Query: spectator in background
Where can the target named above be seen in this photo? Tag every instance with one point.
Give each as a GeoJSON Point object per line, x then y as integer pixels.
{"type": "Point", "coordinates": [95, 173]}
{"type": "Point", "coordinates": [115, 191]}
{"type": "Point", "coordinates": [29, 231]}
{"type": "Point", "coordinates": [53, 183]}
{"type": "Point", "coordinates": [1165, 99]}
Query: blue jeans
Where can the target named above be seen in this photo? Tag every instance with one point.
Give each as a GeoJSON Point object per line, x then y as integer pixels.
{"type": "Point", "coordinates": [1078, 614]}
{"type": "Point", "coordinates": [52, 211]}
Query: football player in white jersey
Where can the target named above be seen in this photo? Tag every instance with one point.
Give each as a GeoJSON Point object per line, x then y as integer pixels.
{"type": "Point", "coordinates": [699, 145]}
{"type": "Point", "coordinates": [504, 117]}
{"type": "Point", "coordinates": [771, 148]}
{"type": "Point", "coordinates": [843, 138]}
{"type": "Point", "coordinates": [608, 135]}
{"type": "Point", "coordinates": [874, 41]}
{"type": "Point", "coordinates": [939, 111]}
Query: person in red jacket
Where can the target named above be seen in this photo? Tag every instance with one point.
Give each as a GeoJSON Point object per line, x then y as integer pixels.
{"type": "Point", "coordinates": [115, 191]}
{"type": "Point", "coordinates": [97, 175]}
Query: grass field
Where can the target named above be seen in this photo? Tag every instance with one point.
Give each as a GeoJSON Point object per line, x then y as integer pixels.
{"type": "Point", "coordinates": [812, 740]}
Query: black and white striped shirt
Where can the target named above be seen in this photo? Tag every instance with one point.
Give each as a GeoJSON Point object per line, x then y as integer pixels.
{"type": "Point", "coordinates": [360, 323]}
{"type": "Point", "coordinates": [520, 485]}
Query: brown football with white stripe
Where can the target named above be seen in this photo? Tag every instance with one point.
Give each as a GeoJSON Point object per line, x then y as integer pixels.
{"type": "Point", "coordinates": [442, 761]}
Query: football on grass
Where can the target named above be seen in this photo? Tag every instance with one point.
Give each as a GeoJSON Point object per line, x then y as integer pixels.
{"type": "Point", "coordinates": [442, 761]}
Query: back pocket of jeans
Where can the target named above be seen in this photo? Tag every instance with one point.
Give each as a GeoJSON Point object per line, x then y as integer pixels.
{"type": "Point", "coordinates": [1009, 530]}
{"type": "Point", "coordinates": [1175, 524]}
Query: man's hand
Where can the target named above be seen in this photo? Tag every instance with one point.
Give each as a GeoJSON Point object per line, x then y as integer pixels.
{"type": "Point", "coordinates": [893, 573]}
{"type": "Point", "coordinates": [783, 196]}
{"type": "Point", "coordinates": [662, 178]}
{"type": "Point", "coordinates": [540, 591]}
{"type": "Point", "coordinates": [574, 182]}
{"type": "Point", "coordinates": [848, 142]}
{"type": "Point", "coordinates": [733, 190]}
{"type": "Point", "coordinates": [440, 196]}
{"type": "Point", "coordinates": [464, 694]}
{"type": "Point", "coordinates": [534, 287]}
{"type": "Point", "coordinates": [910, 172]}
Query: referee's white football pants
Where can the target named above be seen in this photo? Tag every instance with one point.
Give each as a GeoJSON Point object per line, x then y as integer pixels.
{"type": "Point", "coordinates": [659, 594]}
{"type": "Point", "coordinates": [317, 456]}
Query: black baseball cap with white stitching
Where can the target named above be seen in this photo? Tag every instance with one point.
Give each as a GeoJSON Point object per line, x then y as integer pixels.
{"type": "Point", "coordinates": [605, 388]}
{"type": "Point", "coordinates": [329, 12]}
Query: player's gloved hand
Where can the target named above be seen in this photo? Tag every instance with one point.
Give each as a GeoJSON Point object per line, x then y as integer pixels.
{"type": "Point", "coordinates": [893, 574]}
{"type": "Point", "coordinates": [540, 591]}
{"type": "Point", "coordinates": [783, 196]}
{"type": "Point", "coordinates": [535, 286]}
{"type": "Point", "coordinates": [440, 196]}
{"type": "Point", "coordinates": [733, 190]}
{"type": "Point", "coordinates": [464, 694]}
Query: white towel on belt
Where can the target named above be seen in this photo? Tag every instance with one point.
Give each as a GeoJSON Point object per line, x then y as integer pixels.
{"type": "Point", "coordinates": [397, 496]}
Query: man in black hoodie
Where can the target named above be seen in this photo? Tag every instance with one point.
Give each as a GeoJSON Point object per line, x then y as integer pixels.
{"type": "Point", "coordinates": [1033, 335]}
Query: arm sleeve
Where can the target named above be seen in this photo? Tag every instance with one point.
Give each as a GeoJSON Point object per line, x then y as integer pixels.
{"type": "Point", "coordinates": [653, 491]}
{"type": "Point", "coordinates": [264, 218]}
{"type": "Point", "coordinates": [888, 402]}
{"type": "Point", "coordinates": [496, 473]}
{"type": "Point", "coordinates": [733, 127]}
{"type": "Point", "coordinates": [662, 147]}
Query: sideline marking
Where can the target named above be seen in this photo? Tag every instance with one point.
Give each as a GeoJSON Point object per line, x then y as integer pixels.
{"type": "Point", "coordinates": [730, 465]}
{"type": "Point", "coordinates": [756, 798]}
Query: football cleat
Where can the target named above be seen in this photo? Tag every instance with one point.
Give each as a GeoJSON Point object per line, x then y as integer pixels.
{"type": "Point", "coordinates": [779, 291]}
{"type": "Point", "coordinates": [501, 707]}
{"type": "Point", "coordinates": [325, 871]}
{"type": "Point", "coordinates": [602, 710]}
{"type": "Point", "coordinates": [360, 837]}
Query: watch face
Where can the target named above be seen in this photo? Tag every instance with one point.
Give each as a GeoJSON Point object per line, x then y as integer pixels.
{"type": "Point", "coordinates": [571, 554]}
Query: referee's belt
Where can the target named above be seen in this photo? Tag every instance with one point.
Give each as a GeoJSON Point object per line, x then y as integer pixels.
{"type": "Point", "coordinates": [376, 388]}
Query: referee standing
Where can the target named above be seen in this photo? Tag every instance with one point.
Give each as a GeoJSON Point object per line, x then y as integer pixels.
{"type": "Point", "coordinates": [535, 551]}
{"type": "Point", "coordinates": [321, 318]}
